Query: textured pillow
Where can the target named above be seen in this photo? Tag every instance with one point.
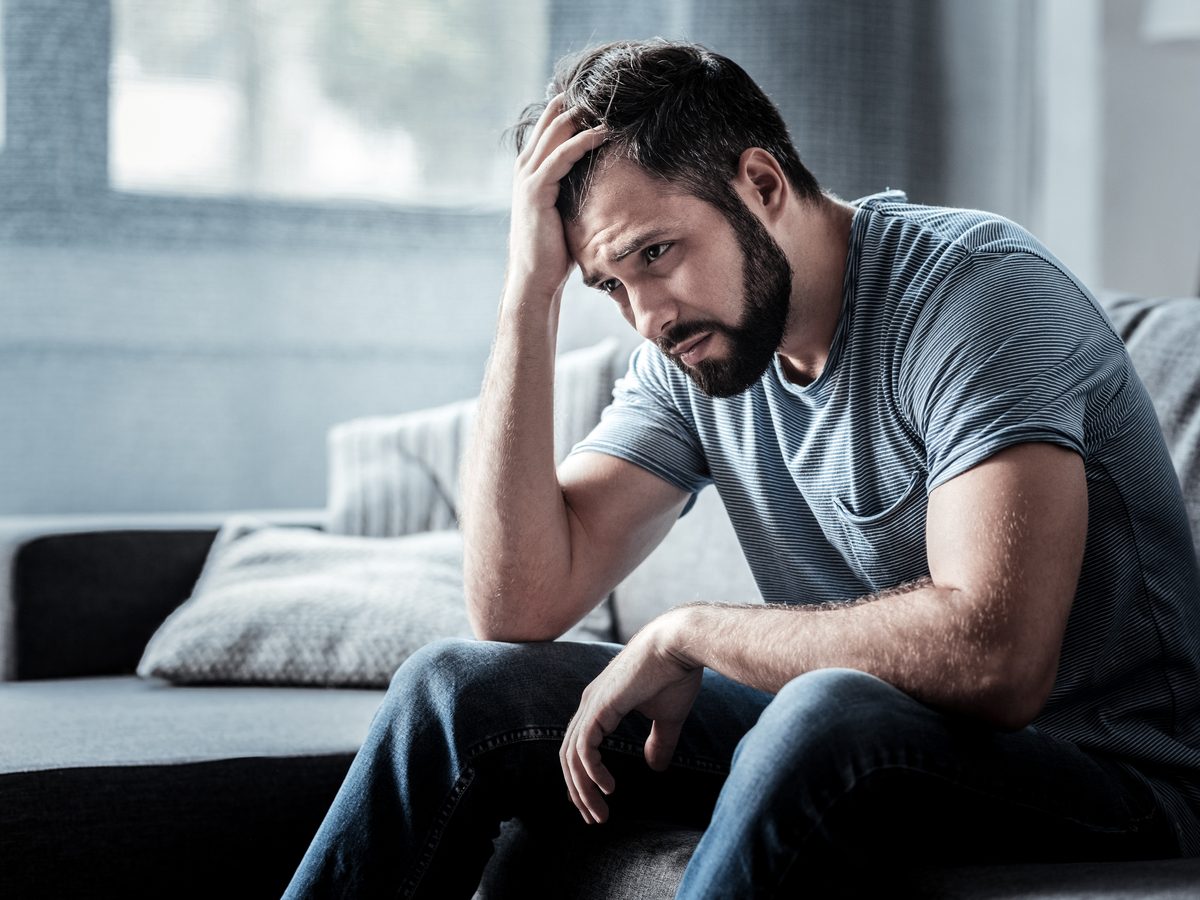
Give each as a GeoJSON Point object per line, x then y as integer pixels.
{"type": "Point", "coordinates": [298, 606]}
{"type": "Point", "coordinates": [395, 475]}
{"type": "Point", "coordinates": [1161, 336]}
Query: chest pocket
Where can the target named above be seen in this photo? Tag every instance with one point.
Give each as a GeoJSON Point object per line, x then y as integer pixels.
{"type": "Point", "coordinates": [887, 547]}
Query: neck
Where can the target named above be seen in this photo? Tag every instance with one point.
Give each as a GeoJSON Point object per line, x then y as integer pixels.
{"type": "Point", "coordinates": [817, 252]}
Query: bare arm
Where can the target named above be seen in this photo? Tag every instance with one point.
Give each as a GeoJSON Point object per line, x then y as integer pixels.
{"type": "Point", "coordinates": [981, 636]}
{"type": "Point", "coordinates": [540, 553]}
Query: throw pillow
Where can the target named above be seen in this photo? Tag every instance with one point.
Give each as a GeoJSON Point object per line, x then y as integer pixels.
{"type": "Point", "coordinates": [395, 475]}
{"type": "Point", "coordinates": [296, 606]}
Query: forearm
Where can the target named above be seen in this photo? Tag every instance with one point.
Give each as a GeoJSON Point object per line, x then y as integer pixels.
{"type": "Point", "coordinates": [936, 644]}
{"type": "Point", "coordinates": [514, 518]}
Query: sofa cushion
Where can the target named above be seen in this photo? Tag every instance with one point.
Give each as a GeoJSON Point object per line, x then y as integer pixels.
{"type": "Point", "coordinates": [394, 475]}
{"type": "Point", "coordinates": [126, 788]}
{"type": "Point", "coordinates": [302, 607]}
{"type": "Point", "coordinates": [128, 721]}
{"type": "Point", "coordinates": [297, 606]}
{"type": "Point", "coordinates": [81, 594]}
{"type": "Point", "coordinates": [699, 559]}
{"type": "Point", "coordinates": [1162, 337]}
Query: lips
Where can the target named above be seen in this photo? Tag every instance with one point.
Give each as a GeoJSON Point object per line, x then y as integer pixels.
{"type": "Point", "coordinates": [691, 352]}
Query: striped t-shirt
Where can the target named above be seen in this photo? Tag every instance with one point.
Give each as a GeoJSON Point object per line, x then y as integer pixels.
{"type": "Point", "coordinates": [959, 335]}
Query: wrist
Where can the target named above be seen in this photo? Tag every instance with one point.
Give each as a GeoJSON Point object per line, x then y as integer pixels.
{"type": "Point", "coordinates": [526, 288]}
{"type": "Point", "coordinates": [677, 633]}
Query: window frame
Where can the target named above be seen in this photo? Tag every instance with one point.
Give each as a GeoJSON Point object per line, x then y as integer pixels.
{"type": "Point", "coordinates": [54, 178]}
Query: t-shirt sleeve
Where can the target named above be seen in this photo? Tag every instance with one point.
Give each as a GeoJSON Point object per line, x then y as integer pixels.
{"type": "Point", "coordinates": [1007, 350]}
{"type": "Point", "coordinates": [645, 425]}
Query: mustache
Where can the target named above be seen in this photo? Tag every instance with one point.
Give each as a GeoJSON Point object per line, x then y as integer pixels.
{"type": "Point", "coordinates": [677, 334]}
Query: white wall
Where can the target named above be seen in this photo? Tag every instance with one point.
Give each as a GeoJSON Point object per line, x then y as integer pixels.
{"type": "Point", "coordinates": [147, 379]}
{"type": "Point", "coordinates": [131, 377]}
{"type": "Point", "coordinates": [1150, 236]}
{"type": "Point", "coordinates": [138, 380]}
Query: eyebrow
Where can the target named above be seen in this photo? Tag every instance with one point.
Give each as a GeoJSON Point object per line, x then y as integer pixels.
{"type": "Point", "coordinates": [639, 240]}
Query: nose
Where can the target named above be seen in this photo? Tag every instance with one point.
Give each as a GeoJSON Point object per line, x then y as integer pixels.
{"type": "Point", "coordinates": [651, 312]}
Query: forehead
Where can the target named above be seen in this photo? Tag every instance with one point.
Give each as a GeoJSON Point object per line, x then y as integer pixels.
{"type": "Point", "coordinates": [622, 201]}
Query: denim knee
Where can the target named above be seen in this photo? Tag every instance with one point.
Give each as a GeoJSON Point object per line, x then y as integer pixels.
{"type": "Point", "coordinates": [825, 724]}
{"type": "Point", "coordinates": [480, 686]}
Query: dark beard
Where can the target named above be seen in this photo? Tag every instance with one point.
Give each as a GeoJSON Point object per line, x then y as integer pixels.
{"type": "Point", "coordinates": [767, 285]}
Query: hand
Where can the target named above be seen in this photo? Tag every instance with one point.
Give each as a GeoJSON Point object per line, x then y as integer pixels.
{"type": "Point", "coordinates": [537, 250]}
{"type": "Point", "coordinates": [644, 677]}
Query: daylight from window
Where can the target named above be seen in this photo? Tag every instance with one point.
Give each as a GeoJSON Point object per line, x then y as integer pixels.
{"type": "Point", "coordinates": [322, 99]}
{"type": "Point", "coordinates": [3, 92]}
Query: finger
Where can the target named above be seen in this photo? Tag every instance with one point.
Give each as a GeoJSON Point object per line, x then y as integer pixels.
{"type": "Point", "coordinates": [553, 108]}
{"type": "Point", "coordinates": [563, 761]}
{"type": "Point", "coordinates": [588, 748]}
{"type": "Point", "coordinates": [558, 130]}
{"type": "Point", "coordinates": [589, 794]}
{"type": "Point", "coordinates": [577, 801]}
{"type": "Point", "coordinates": [660, 746]}
{"type": "Point", "coordinates": [565, 155]}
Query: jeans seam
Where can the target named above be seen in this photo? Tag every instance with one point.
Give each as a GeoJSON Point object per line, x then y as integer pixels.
{"type": "Point", "coordinates": [1134, 822]}
{"type": "Point", "coordinates": [464, 781]}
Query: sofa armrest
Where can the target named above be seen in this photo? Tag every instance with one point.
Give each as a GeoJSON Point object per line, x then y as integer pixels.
{"type": "Point", "coordinates": [81, 595]}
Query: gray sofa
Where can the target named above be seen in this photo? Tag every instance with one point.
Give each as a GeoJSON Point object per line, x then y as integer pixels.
{"type": "Point", "coordinates": [116, 786]}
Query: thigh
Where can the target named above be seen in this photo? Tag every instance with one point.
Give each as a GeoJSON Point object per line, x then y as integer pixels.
{"type": "Point", "coordinates": [505, 708]}
{"type": "Point", "coordinates": [845, 778]}
{"type": "Point", "coordinates": [902, 784]}
{"type": "Point", "coordinates": [687, 791]}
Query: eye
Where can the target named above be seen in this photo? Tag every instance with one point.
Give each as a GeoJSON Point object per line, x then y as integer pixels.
{"type": "Point", "coordinates": [655, 252]}
{"type": "Point", "coordinates": [608, 286]}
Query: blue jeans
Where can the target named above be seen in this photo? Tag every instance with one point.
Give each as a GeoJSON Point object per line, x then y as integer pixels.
{"type": "Point", "coordinates": [837, 776]}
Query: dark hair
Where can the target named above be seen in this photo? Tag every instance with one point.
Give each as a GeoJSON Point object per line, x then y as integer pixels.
{"type": "Point", "coordinates": [679, 111]}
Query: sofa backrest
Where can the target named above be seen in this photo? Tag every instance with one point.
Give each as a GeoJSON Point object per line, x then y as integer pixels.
{"type": "Point", "coordinates": [699, 559]}
{"type": "Point", "coordinates": [1163, 339]}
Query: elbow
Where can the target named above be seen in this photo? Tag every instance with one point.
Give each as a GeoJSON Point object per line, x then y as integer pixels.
{"type": "Point", "coordinates": [506, 633]}
{"type": "Point", "coordinates": [1016, 691]}
{"type": "Point", "coordinates": [491, 614]}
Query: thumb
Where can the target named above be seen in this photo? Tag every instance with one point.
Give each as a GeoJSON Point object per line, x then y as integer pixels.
{"type": "Point", "coordinates": [660, 746]}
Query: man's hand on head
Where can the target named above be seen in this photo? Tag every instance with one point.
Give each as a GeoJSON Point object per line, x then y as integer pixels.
{"type": "Point", "coordinates": [538, 260]}
{"type": "Point", "coordinates": [645, 677]}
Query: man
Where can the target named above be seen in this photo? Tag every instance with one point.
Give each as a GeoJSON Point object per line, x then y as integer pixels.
{"type": "Point", "coordinates": [980, 641]}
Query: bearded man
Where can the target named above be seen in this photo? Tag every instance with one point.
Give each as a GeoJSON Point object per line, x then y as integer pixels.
{"type": "Point", "coordinates": [980, 637]}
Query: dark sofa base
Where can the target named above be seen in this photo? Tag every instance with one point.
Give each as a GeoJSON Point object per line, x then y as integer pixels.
{"type": "Point", "coordinates": [225, 828]}
{"type": "Point", "coordinates": [127, 788]}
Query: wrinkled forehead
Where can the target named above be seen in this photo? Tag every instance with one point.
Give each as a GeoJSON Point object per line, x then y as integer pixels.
{"type": "Point", "coordinates": [620, 199]}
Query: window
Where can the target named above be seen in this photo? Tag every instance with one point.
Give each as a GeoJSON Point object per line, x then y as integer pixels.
{"type": "Point", "coordinates": [322, 99]}
{"type": "Point", "coordinates": [267, 122]}
{"type": "Point", "coordinates": [2, 89]}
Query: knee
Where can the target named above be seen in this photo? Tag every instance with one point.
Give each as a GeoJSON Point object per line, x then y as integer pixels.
{"type": "Point", "coordinates": [443, 671]}
{"type": "Point", "coordinates": [457, 678]}
{"type": "Point", "coordinates": [827, 718]}
{"type": "Point", "coordinates": [443, 660]}
{"type": "Point", "coordinates": [838, 698]}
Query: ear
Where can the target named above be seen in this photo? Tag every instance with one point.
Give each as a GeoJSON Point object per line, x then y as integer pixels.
{"type": "Point", "coordinates": [761, 183]}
